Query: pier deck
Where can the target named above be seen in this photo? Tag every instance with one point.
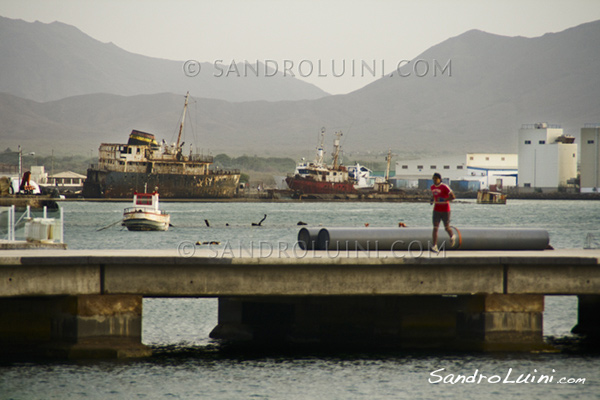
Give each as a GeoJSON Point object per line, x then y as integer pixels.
{"type": "Point", "coordinates": [231, 272]}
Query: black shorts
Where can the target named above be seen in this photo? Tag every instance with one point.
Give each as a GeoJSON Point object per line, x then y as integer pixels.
{"type": "Point", "coordinates": [441, 216]}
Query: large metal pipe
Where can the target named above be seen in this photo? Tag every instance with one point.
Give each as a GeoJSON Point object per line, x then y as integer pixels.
{"type": "Point", "coordinates": [502, 239]}
{"type": "Point", "coordinates": [420, 238]}
{"type": "Point", "coordinates": [307, 238]}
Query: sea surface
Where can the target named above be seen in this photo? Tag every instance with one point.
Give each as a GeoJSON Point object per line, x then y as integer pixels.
{"type": "Point", "coordinates": [187, 364]}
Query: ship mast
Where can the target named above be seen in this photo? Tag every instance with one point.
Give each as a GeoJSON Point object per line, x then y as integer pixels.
{"type": "Point", "coordinates": [387, 169]}
{"type": "Point", "coordinates": [336, 149]}
{"type": "Point", "coordinates": [319, 158]}
{"type": "Point", "coordinates": [182, 120]}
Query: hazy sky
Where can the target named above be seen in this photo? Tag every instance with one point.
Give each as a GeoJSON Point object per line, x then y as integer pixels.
{"type": "Point", "coordinates": [311, 30]}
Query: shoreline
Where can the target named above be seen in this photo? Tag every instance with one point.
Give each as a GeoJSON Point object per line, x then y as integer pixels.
{"type": "Point", "coordinates": [409, 198]}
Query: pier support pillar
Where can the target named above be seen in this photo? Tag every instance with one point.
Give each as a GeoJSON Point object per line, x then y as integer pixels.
{"type": "Point", "coordinates": [501, 322]}
{"type": "Point", "coordinates": [82, 326]}
{"type": "Point", "coordinates": [369, 321]}
{"type": "Point", "coordinates": [588, 310]}
{"type": "Point", "coordinates": [480, 322]}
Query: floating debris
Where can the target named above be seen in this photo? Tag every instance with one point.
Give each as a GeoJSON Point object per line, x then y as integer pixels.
{"type": "Point", "coordinates": [261, 221]}
{"type": "Point", "coordinates": [208, 243]}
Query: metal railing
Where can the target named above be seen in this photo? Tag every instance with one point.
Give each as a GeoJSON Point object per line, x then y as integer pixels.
{"type": "Point", "coordinates": [591, 242]}
{"type": "Point", "coordinates": [201, 158]}
{"type": "Point", "coordinates": [224, 171]}
{"type": "Point", "coordinates": [31, 227]}
{"type": "Point", "coordinates": [540, 125]}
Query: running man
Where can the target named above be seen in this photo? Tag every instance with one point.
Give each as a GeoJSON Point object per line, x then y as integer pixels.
{"type": "Point", "coordinates": [442, 196]}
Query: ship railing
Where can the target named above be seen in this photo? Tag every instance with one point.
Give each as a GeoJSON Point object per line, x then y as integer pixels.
{"type": "Point", "coordinates": [201, 158]}
{"type": "Point", "coordinates": [540, 125]}
{"type": "Point", "coordinates": [224, 171]}
{"type": "Point", "coordinates": [142, 209]}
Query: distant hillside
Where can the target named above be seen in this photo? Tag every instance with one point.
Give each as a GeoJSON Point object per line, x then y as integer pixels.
{"type": "Point", "coordinates": [45, 62]}
{"type": "Point", "coordinates": [497, 84]}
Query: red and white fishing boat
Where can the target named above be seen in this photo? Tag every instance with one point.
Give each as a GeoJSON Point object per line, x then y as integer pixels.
{"type": "Point", "coordinates": [319, 178]}
{"type": "Point", "coordinates": [145, 215]}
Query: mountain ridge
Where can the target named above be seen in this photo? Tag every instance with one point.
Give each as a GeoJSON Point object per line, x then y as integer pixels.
{"type": "Point", "coordinates": [497, 83]}
{"type": "Point", "coordinates": [47, 62]}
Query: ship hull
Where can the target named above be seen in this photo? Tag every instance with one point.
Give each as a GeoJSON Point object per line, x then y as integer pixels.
{"type": "Point", "coordinates": [309, 186]}
{"type": "Point", "coordinates": [146, 221]}
{"type": "Point", "coordinates": [114, 184]}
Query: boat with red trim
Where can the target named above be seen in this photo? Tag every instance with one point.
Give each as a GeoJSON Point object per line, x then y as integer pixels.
{"type": "Point", "coordinates": [145, 214]}
{"type": "Point", "coordinates": [317, 177]}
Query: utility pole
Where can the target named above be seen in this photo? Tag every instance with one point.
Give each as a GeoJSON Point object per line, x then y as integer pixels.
{"type": "Point", "coordinates": [20, 167]}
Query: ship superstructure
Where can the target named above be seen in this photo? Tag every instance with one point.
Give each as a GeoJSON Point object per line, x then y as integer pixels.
{"type": "Point", "coordinates": [126, 168]}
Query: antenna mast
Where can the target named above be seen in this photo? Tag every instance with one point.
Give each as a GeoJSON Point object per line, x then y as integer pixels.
{"type": "Point", "coordinates": [319, 158]}
{"type": "Point", "coordinates": [336, 149]}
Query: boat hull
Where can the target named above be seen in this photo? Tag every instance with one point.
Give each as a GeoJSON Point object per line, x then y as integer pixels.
{"type": "Point", "coordinates": [310, 186]}
{"type": "Point", "coordinates": [114, 184]}
{"type": "Point", "coordinates": [146, 221]}
{"type": "Point", "coordinates": [486, 197]}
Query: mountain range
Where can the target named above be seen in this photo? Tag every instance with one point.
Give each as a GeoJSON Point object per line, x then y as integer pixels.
{"type": "Point", "coordinates": [485, 88]}
{"type": "Point", "coordinates": [45, 62]}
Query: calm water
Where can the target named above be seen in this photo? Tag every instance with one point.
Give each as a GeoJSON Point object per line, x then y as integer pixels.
{"type": "Point", "coordinates": [188, 365]}
{"type": "Point", "coordinates": [568, 222]}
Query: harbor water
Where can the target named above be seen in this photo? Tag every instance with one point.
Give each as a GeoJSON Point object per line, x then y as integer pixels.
{"type": "Point", "coordinates": [187, 364]}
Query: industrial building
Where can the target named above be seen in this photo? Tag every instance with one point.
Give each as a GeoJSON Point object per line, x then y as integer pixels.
{"type": "Point", "coordinates": [590, 160]}
{"type": "Point", "coordinates": [472, 171]}
{"type": "Point", "coordinates": [547, 158]}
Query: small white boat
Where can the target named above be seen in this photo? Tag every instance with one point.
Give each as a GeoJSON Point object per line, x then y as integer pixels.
{"type": "Point", "coordinates": [145, 215]}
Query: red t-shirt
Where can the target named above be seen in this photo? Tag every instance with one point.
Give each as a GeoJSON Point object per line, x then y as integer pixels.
{"type": "Point", "coordinates": [441, 192]}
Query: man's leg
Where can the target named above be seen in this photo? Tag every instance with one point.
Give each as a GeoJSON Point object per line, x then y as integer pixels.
{"type": "Point", "coordinates": [446, 220]}
{"type": "Point", "coordinates": [434, 234]}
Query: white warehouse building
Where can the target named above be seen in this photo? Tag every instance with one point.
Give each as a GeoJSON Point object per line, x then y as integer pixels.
{"type": "Point", "coordinates": [547, 158]}
{"type": "Point", "coordinates": [484, 169]}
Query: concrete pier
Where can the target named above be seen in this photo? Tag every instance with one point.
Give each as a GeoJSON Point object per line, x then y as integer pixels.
{"type": "Point", "coordinates": [501, 322]}
{"type": "Point", "coordinates": [82, 304]}
{"type": "Point", "coordinates": [588, 312]}
{"type": "Point", "coordinates": [81, 326]}
{"type": "Point", "coordinates": [478, 322]}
